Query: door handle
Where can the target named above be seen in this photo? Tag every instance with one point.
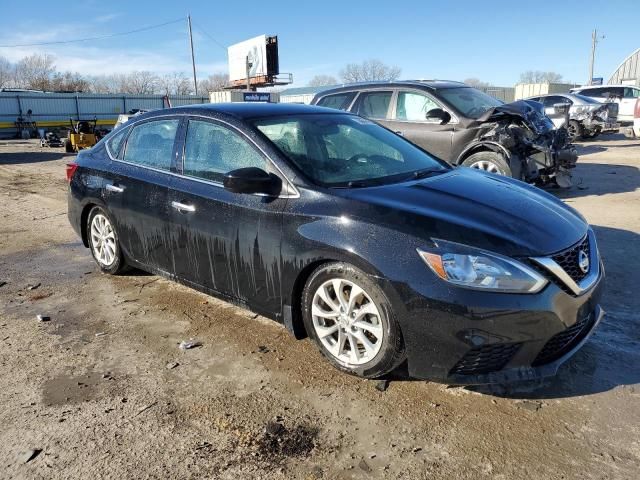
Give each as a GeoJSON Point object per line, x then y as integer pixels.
{"type": "Point", "coordinates": [182, 207]}
{"type": "Point", "coordinates": [113, 188]}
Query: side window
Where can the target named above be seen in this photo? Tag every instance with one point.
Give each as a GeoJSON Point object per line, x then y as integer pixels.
{"type": "Point", "coordinates": [340, 101]}
{"type": "Point", "coordinates": [374, 104]}
{"type": "Point", "coordinates": [413, 106]}
{"type": "Point", "coordinates": [612, 92]}
{"type": "Point", "coordinates": [114, 143]}
{"type": "Point", "coordinates": [151, 144]}
{"type": "Point", "coordinates": [553, 99]}
{"type": "Point", "coordinates": [593, 92]}
{"type": "Point", "coordinates": [631, 92]}
{"type": "Point", "coordinates": [212, 150]}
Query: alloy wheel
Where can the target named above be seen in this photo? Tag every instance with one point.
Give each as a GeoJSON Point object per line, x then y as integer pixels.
{"type": "Point", "coordinates": [347, 322]}
{"type": "Point", "coordinates": [486, 166]}
{"type": "Point", "coordinates": [103, 240]}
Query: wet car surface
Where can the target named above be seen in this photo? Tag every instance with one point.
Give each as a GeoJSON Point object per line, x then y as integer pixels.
{"type": "Point", "coordinates": [208, 415]}
{"type": "Point", "coordinates": [489, 279]}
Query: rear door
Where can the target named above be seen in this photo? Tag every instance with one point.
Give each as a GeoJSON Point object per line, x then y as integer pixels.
{"type": "Point", "coordinates": [628, 103]}
{"type": "Point", "coordinates": [136, 191]}
{"type": "Point", "coordinates": [409, 118]}
{"type": "Point", "coordinates": [227, 242]}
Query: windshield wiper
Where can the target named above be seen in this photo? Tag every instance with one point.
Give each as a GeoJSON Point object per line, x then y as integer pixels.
{"type": "Point", "coordinates": [427, 172]}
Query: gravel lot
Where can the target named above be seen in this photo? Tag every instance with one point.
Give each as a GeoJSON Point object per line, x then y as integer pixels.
{"type": "Point", "coordinates": [102, 390]}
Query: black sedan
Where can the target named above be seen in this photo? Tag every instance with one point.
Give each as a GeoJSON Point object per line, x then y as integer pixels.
{"type": "Point", "coordinates": [347, 233]}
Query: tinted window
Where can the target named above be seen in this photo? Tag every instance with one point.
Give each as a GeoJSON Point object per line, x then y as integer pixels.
{"type": "Point", "coordinates": [374, 104]}
{"type": "Point", "coordinates": [553, 99]}
{"type": "Point", "coordinates": [342, 150]}
{"type": "Point", "coordinates": [413, 106]}
{"type": "Point", "coordinates": [212, 150]}
{"type": "Point", "coordinates": [114, 143]}
{"type": "Point", "coordinates": [340, 101]}
{"type": "Point", "coordinates": [151, 144]}
{"type": "Point", "coordinates": [631, 92]}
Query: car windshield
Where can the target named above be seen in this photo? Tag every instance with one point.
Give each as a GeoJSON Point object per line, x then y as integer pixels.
{"type": "Point", "coordinates": [339, 150]}
{"type": "Point", "coordinates": [472, 103]}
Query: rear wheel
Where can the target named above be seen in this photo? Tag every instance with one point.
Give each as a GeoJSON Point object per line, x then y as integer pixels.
{"type": "Point", "coordinates": [574, 129]}
{"type": "Point", "coordinates": [491, 162]}
{"type": "Point", "coordinates": [351, 320]}
{"type": "Point", "coordinates": [103, 242]}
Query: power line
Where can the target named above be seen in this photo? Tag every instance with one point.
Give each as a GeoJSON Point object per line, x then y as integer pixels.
{"type": "Point", "coordinates": [202, 30]}
{"type": "Point", "coordinates": [59, 42]}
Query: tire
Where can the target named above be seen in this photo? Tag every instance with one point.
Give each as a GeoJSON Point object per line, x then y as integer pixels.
{"type": "Point", "coordinates": [68, 147]}
{"type": "Point", "coordinates": [385, 348]}
{"type": "Point", "coordinates": [590, 135]}
{"type": "Point", "coordinates": [574, 129]}
{"type": "Point", "coordinates": [491, 162]}
{"type": "Point", "coordinates": [106, 252]}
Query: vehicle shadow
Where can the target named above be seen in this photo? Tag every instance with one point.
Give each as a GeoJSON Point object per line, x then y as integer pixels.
{"type": "Point", "coordinates": [610, 358]}
{"type": "Point", "coordinates": [599, 179]}
{"type": "Point", "coordinates": [20, 158]}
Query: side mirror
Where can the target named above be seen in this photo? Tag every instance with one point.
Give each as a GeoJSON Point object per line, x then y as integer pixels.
{"type": "Point", "coordinates": [561, 108]}
{"type": "Point", "coordinates": [438, 115]}
{"type": "Point", "coordinates": [252, 180]}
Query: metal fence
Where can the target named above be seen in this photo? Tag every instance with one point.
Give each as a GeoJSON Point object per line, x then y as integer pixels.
{"type": "Point", "coordinates": [55, 109]}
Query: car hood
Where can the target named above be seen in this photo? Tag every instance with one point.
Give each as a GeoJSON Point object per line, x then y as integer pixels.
{"type": "Point", "coordinates": [477, 209]}
{"type": "Point", "coordinates": [532, 113]}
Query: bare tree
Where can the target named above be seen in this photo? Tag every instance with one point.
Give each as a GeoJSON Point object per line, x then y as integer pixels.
{"type": "Point", "coordinates": [175, 83]}
{"type": "Point", "coordinates": [35, 71]}
{"type": "Point", "coordinates": [322, 81]}
{"type": "Point", "coordinates": [369, 70]}
{"type": "Point", "coordinates": [213, 83]}
{"type": "Point", "coordinates": [477, 83]}
{"type": "Point", "coordinates": [6, 72]}
{"type": "Point", "coordinates": [537, 76]}
{"type": "Point", "coordinates": [138, 83]}
{"type": "Point", "coordinates": [68, 82]}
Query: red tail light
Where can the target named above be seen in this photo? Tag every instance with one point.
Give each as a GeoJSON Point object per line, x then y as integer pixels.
{"type": "Point", "coordinates": [71, 169]}
{"type": "Point", "coordinates": [636, 111]}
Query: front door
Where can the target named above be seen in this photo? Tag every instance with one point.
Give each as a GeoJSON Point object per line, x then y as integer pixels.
{"type": "Point", "coordinates": [136, 192]}
{"type": "Point", "coordinates": [410, 120]}
{"type": "Point", "coordinates": [225, 241]}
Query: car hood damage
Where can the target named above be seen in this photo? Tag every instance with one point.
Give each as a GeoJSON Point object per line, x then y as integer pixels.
{"type": "Point", "coordinates": [536, 148]}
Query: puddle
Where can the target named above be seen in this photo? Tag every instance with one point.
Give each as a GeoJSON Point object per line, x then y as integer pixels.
{"type": "Point", "coordinates": [65, 389]}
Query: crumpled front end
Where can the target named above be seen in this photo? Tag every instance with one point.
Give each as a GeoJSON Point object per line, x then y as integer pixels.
{"type": "Point", "coordinates": [539, 151]}
{"type": "Point", "coordinates": [602, 118]}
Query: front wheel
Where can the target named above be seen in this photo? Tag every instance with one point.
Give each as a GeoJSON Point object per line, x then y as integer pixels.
{"type": "Point", "coordinates": [491, 162]}
{"type": "Point", "coordinates": [103, 242]}
{"type": "Point", "coordinates": [351, 320]}
{"type": "Point", "coordinates": [574, 129]}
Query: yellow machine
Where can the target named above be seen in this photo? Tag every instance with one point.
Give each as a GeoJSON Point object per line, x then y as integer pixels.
{"type": "Point", "coordinates": [82, 135]}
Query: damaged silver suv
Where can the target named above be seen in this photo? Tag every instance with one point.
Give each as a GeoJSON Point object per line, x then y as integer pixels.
{"type": "Point", "coordinates": [464, 126]}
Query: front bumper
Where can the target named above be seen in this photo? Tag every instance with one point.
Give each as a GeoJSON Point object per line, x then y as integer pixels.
{"type": "Point", "coordinates": [464, 337]}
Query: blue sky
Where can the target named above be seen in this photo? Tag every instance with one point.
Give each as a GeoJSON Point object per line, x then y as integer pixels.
{"type": "Point", "coordinates": [491, 40]}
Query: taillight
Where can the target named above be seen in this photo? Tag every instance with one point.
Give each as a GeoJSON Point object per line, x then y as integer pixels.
{"type": "Point", "coordinates": [636, 111]}
{"type": "Point", "coordinates": [71, 169]}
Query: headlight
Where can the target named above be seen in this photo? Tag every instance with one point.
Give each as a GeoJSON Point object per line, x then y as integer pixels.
{"type": "Point", "coordinates": [473, 268]}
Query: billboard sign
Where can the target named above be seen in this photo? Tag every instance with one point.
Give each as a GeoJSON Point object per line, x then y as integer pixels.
{"type": "Point", "coordinates": [254, 48]}
{"type": "Point", "coordinates": [597, 81]}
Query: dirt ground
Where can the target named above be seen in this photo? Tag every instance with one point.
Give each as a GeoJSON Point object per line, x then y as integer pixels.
{"type": "Point", "coordinates": [103, 391]}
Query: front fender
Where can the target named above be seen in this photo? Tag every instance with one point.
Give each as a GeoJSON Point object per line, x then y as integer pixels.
{"type": "Point", "coordinates": [481, 145]}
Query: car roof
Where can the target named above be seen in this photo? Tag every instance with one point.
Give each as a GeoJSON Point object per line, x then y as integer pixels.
{"type": "Point", "coordinates": [589, 87]}
{"type": "Point", "coordinates": [245, 110]}
{"type": "Point", "coordinates": [422, 84]}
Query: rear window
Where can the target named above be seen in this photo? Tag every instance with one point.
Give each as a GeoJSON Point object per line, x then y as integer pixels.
{"type": "Point", "coordinates": [339, 101]}
{"type": "Point", "coordinates": [151, 144]}
{"type": "Point", "coordinates": [374, 104]}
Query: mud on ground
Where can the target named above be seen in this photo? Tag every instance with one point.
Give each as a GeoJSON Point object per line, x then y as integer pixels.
{"type": "Point", "coordinates": [102, 390]}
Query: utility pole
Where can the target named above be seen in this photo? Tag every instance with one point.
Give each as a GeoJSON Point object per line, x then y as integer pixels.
{"type": "Point", "coordinates": [594, 42]}
{"type": "Point", "coordinates": [248, 66]}
{"type": "Point", "coordinates": [193, 57]}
